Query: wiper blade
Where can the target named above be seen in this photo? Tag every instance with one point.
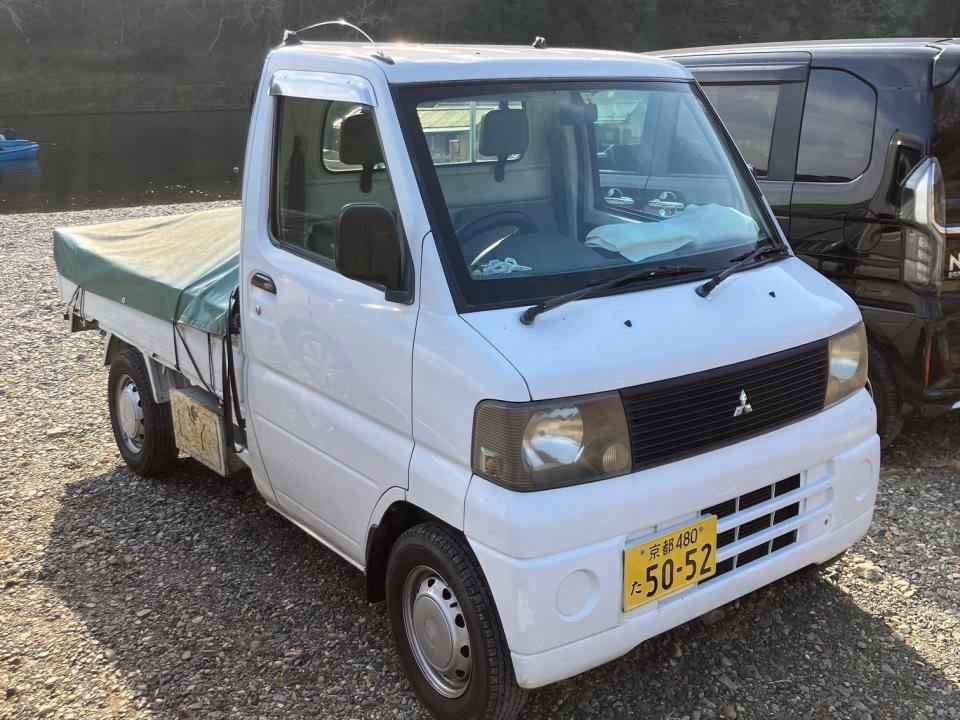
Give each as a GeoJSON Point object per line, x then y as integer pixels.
{"type": "Point", "coordinates": [766, 247]}
{"type": "Point", "coordinates": [529, 315]}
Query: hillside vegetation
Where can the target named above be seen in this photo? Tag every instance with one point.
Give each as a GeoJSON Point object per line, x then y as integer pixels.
{"type": "Point", "coordinates": [115, 55]}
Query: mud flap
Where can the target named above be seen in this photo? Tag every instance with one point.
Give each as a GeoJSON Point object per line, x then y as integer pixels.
{"type": "Point", "coordinates": [199, 430]}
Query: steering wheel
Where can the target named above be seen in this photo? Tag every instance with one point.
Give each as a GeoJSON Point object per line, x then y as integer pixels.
{"type": "Point", "coordinates": [501, 218]}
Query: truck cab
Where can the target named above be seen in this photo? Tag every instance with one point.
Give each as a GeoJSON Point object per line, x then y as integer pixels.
{"type": "Point", "coordinates": [546, 419]}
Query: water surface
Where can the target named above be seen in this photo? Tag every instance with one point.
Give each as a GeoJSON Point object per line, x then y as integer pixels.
{"type": "Point", "coordinates": [120, 159]}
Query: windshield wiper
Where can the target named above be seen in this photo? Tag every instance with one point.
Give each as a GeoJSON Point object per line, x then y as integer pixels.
{"type": "Point", "coordinates": [529, 315]}
{"type": "Point", "coordinates": [765, 247]}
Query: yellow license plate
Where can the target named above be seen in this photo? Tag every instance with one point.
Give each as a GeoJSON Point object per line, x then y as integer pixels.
{"type": "Point", "coordinates": [669, 562]}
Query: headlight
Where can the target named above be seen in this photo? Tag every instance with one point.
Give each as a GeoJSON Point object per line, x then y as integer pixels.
{"type": "Point", "coordinates": [848, 364]}
{"type": "Point", "coordinates": [553, 443]}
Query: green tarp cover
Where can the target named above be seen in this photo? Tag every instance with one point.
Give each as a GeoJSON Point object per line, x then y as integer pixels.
{"type": "Point", "coordinates": [180, 268]}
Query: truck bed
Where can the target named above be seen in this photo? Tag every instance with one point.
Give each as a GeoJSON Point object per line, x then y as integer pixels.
{"type": "Point", "coordinates": [157, 339]}
{"type": "Point", "coordinates": [179, 269]}
{"type": "Point", "coordinates": [160, 284]}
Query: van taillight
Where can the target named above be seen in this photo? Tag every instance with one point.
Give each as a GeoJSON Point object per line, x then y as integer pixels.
{"type": "Point", "coordinates": [923, 206]}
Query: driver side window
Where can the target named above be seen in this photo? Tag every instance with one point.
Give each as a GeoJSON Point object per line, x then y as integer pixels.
{"type": "Point", "coordinates": [327, 156]}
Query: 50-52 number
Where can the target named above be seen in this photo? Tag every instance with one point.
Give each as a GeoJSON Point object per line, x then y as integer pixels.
{"type": "Point", "coordinates": [662, 576]}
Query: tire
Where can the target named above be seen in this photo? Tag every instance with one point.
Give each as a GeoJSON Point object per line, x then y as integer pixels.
{"type": "Point", "coordinates": [886, 396]}
{"type": "Point", "coordinates": [434, 565]}
{"type": "Point", "coordinates": [142, 427]}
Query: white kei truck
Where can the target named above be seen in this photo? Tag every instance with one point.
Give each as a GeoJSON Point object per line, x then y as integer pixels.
{"type": "Point", "coordinates": [513, 331]}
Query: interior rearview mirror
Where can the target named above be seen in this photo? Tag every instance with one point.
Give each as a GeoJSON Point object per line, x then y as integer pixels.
{"type": "Point", "coordinates": [369, 249]}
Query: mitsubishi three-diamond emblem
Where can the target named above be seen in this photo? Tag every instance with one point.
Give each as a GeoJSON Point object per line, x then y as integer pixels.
{"type": "Point", "coordinates": [744, 408]}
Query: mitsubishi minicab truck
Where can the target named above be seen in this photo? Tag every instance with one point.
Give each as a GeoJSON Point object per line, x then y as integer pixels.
{"type": "Point", "coordinates": [546, 418]}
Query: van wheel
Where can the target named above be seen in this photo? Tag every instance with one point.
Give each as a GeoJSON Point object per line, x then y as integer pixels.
{"type": "Point", "coordinates": [142, 427]}
{"type": "Point", "coordinates": [886, 396]}
{"type": "Point", "coordinates": [447, 629]}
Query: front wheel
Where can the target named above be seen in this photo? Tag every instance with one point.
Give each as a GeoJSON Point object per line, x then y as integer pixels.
{"type": "Point", "coordinates": [447, 629]}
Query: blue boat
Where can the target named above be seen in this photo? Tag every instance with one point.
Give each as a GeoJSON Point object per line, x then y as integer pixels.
{"type": "Point", "coordinates": [22, 151]}
{"type": "Point", "coordinates": [13, 144]}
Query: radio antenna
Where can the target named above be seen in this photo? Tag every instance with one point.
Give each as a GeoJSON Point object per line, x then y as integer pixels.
{"type": "Point", "coordinates": [292, 37]}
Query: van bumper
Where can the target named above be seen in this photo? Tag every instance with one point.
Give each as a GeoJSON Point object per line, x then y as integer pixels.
{"type": "Point", "coordinates": [553, 559]}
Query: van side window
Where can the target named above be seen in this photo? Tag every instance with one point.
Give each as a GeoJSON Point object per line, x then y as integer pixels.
{"type": "Point", "coordinates": [327, 155]}
{"type": "Point", "coordinates": [748, 112]}
{"type": "Point", "coordinates": [836, 137]}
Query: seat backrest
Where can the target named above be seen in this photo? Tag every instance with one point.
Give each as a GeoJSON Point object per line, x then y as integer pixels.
{"type": "Point", "coordinates": [360, 145]}
{"type": "Point", "coordinates": [504, 132]}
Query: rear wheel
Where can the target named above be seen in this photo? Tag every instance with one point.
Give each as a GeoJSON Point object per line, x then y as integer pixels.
{"type": "Point", "coordinates": [886, 396]}
{"type": "Point", "coordinates": [142, 427]}
{"type": "Point", "coordinates": [447, 629]}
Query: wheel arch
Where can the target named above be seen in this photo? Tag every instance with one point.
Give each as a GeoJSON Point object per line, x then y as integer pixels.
{"type": "Point", "coordinates": [887, 392]}
{"type": "Point", "coordinates": [399, 517]}
{"type": "Point", "coordinates": [162, 378]}
{"type": "Point", "coordinates": [112, 346]}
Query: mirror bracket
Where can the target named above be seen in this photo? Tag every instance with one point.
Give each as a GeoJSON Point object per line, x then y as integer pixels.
{"type": "Point", "coordinates": [405, 294]}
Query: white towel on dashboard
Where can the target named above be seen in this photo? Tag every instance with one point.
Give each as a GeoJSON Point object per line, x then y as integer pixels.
{"type": "Point", "coordinates": [708, 227]}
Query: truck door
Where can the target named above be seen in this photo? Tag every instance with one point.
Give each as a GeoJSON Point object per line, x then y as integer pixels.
{"type": "Point", "coordinates": [329, 358]}
{"type": "Point", "coordinates": [761, 107]}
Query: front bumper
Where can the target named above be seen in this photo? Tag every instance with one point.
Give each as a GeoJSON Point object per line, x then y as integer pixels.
{"type": "Point", "coordinates": [554, 559]}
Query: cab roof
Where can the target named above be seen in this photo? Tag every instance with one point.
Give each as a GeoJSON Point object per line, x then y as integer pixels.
{"type": "Point", "coordinates": [405, 63]}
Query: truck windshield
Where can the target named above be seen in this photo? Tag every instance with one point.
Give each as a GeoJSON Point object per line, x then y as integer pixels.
{"type": "Point", "coordinates": [541, 188]}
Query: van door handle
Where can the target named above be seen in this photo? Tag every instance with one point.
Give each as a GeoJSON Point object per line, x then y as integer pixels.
{"type": "Point", "coordinates": [264, 282]}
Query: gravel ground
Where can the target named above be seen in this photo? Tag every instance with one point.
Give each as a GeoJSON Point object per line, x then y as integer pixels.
{"type": "Point", "coordinates": [186, 597]}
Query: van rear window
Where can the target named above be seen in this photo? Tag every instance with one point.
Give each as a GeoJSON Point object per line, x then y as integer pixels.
{"type": "Point", "coordinates": [837, 133]}
{"type": "Point", "coordinates": [946, 142]}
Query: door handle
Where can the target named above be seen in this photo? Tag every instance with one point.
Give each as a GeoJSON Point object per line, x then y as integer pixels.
{"type": "Point", "coordinates": [264, 282]}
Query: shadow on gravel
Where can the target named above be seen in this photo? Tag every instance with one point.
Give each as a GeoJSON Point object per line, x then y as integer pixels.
{"type": "Point", "coordinates": [800, 648]}
{"type": "Point", "coordinates": [209, 602]}
{"type": "Point", "coordinates": [211, 605]}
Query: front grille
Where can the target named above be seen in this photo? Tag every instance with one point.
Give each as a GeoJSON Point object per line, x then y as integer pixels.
{"type": "Point", "coordinates": [751, 527]}
{"type": "Point", "coordinates": [687, 415]}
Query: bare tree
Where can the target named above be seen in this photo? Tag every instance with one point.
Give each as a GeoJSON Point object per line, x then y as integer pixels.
{"type": "Point", "coordinates": [252, 14]}
{"type": "Point", "coordinates": [17, 11]}
{"type": "Point", "coordinates": [365, 12]}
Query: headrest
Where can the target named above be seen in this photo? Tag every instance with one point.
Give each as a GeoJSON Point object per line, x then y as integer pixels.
{"type": "Point", "coordinates": [584, 114]}
{"type": "Point", "coordinates": [504, 132]}
{"type": "Point", "coordinates": [359, 143]}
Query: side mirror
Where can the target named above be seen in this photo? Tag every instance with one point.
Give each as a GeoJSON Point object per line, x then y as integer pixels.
{"type": "Point", "coordinates": [369, 249]}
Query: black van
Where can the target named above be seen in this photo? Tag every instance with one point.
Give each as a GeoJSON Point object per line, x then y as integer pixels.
{"type": "Point", "coordinates": [856, 145]}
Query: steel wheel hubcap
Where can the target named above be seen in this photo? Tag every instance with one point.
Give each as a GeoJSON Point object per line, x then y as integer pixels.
{"type": "Point", "coordinates": [129, 413]}
{"type": "Point", "coordinates": [437, 631]}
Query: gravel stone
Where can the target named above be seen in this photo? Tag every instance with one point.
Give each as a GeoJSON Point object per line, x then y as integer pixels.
{"type": "Point", "coordinates": [250, 619]}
